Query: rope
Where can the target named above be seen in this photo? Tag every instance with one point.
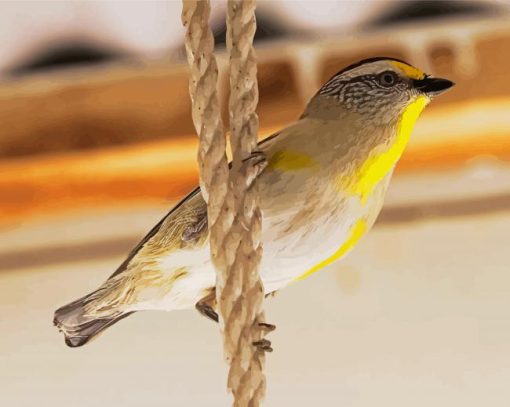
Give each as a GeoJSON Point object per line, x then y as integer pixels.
{"type": "Point", "coordinates": [246, 376]}
{"type": "Point", "coordinates": [233, 213]}
{"type": "Point", "coordinates": [212, 161]}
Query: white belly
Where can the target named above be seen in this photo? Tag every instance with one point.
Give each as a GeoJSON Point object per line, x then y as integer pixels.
{"type": "Point", "coordinates": [288, 254]}
{"type": "Point", "coordinates": [295, 239]}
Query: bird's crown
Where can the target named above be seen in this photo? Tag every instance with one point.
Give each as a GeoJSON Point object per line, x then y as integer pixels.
{"type": "Point", "coordinates": [387, 70]}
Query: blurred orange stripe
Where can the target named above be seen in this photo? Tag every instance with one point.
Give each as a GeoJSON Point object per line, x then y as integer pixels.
{"type": "Point", "coordinates": [45, 185]}
{"type": "Point", "coordinates": [167, 171]}
{"type": "Point", "coordinates": [453, 153]}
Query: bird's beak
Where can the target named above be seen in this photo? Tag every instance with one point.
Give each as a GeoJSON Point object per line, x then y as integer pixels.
{"type": "Point", "coordinates": [432, 86]}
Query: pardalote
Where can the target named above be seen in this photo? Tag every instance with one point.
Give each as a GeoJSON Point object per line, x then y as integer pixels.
{"type": "Point", "coordinates": [322, 190]}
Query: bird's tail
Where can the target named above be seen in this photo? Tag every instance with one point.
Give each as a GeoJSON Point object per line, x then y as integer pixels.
{"type": "Point", "coordinates": [78, 327]}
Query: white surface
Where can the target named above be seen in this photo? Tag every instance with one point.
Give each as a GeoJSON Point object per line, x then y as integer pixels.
{"type": "Point", "coordinates": [145, 27]}
{"type": "Point", "coordinates": [418, 315]}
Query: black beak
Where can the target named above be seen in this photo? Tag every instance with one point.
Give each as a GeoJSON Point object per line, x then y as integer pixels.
{"type": "Point", "coordinates": [432, 86]}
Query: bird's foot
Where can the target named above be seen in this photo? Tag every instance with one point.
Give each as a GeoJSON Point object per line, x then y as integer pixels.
{"type": "Point", "coordinates": [272, 294]}
{"type": "Point", "coordinates": [254, 165]}
{"type": "Point", "coordinates": [206, 306]}
{"type": "Point", "coordinates": [266, 328]}
{"type": "Point", "coordinates": [263, 345]}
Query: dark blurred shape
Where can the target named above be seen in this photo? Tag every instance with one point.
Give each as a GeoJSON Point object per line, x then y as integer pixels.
{"type": "Point", "coordinates": [65, 55]}
{"type": "Point", "coordinates": [421, 10]}
{"type": "Point", "coordinates": [268, 28]}
{"type": "Point", "coordinates": [112, 106]}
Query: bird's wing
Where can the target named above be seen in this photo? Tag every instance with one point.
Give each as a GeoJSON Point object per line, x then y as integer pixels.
{"type": "Point", "coordinates": [194, 225]}
{"type": "Point", "coordinates": [194, 195]}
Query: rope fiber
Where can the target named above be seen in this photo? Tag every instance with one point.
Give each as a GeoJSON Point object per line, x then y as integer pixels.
{"type": "Point", "coordinates": [234, 216]}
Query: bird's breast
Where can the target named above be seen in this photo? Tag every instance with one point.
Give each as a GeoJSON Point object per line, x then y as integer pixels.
{"type": "Point", "coordinates": [382, 158]}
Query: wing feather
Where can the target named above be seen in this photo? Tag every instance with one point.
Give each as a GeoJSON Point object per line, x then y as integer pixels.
{"type": "Point", "coordinates": [192, 201]}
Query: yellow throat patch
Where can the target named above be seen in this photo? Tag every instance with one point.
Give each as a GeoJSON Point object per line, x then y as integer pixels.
{"type": "Point", "coordinates": [378, 165]}
{"type": "Point", "coordinates": [370, 174]}
{"type": "Point", "coordinates": [373, 170]}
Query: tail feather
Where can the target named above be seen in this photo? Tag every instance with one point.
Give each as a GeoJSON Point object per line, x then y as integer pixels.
{"type": "Point", "coordinates": [78, 327]}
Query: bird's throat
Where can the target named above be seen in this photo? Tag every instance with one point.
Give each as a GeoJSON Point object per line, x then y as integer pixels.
{"type": "Point", "coordinates": [381, 162]}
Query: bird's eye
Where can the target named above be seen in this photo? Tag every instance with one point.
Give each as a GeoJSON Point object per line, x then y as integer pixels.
{"type": "Point", "coordinates": [387, 78]}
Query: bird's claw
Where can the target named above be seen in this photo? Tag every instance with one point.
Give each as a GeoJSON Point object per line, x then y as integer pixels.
{"type": "Point", "coordinates": [263, 345]}
{"type": "Point", "coordinates": [206, 307]}
{"type": "Point", "coordinates": [254, 165]}
{"type": "Point", "coordinates": [207, 310]}
{"type": "Point", "coordinates": [267, 327]}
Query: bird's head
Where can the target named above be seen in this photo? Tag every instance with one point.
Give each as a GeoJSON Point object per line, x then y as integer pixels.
{"type": "Point", "coordinates": [377, 88]}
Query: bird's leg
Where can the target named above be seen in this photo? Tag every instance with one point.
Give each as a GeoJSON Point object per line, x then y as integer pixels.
{"type": "Point", "coordinates": [206, 306]}
{"type": "Point", "coordinates": [267, 327]}
{"type": "Point", "coordinates": [272, 294]}
{"type": "Point", "coordinates": [264, 325]}
{"type": "Point", "coordinates": [253, 166]}
{"type": "Point", "coordinates": [263, 345]}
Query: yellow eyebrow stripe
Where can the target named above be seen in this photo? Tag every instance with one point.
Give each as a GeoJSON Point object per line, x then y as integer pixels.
{"type": "Point", "coordinates": [410, 71]}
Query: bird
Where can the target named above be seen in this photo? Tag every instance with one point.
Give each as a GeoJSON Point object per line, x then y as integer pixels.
{"type": "Point", "coordinates": [321, 190]}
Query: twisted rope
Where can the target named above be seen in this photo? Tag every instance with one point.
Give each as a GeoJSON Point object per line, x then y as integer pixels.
{"type": "Point", "coordinates": [246, 376]}
{"type": "Point", "coordinates": [212, 161]}
{"type": "Point", "coordinates": [233, 213]}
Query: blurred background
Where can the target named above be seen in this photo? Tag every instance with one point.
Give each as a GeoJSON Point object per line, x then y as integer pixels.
{"type": "Point", "coordinates": [97, 144]}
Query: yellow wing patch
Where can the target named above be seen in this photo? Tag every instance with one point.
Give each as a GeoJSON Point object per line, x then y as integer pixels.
{"type": "Point", "coordinates": [357, 230]}
{"type": "Point", "coordinates": [377, 166]}
{"type": "Point", "coordinates": [410, 71]}
{"type": "Point", "coordinates": [287, 160]}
